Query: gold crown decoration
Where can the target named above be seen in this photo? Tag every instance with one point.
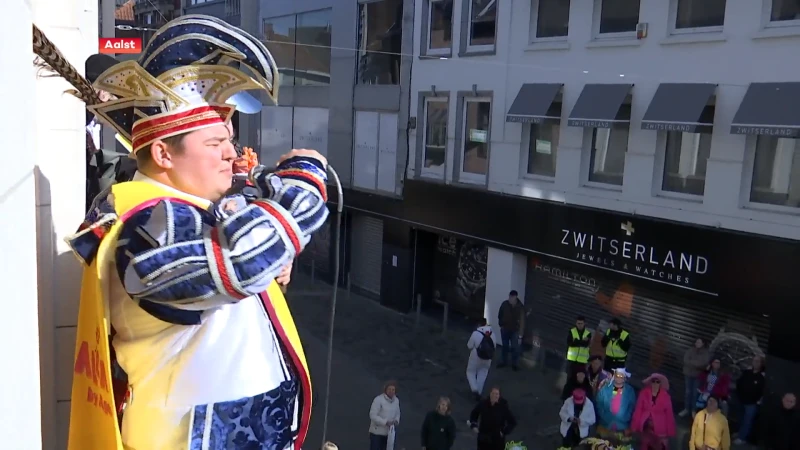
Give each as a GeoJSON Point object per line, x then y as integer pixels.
{"type": "Point", "coordinates": [193, 74]}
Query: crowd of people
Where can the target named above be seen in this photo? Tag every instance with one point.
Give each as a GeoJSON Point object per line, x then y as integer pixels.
{"type": "Point", "coordinates": [601, 408]}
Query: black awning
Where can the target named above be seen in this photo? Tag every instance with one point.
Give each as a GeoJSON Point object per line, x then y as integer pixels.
{"type": "Point", "coordinates": [600, 106]}
{"type": "Point", "coordinates": [681, 107]}
{"type": "Point", "coordinates": [535, 103]}
{"type": "Point", "coordinates": [770, 109]}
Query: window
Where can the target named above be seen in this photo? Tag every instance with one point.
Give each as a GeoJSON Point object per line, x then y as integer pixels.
{"type": "Point", "coordinates": [542, 149]}
{"type": "Point", "coordinates": [313, 50]}
{"type": "Point", "coordinates": [435, 139]}
{"type": "Point", "coordinates": [440, 27]}
{"type": "Point", "coordinates": [776, 172]}
{"type": "Point", "coordinates": [380, 34]}
{"type": "Point", "coordinates": [699, 14]}
{"type": "Point", "coordinates": [300, 45]}
{"type": "Point", "coordinates": [482, 23]}
{"type": "Point", "coordinates": [375, 151]}
{"type": "Point", "coordinates": [784, 11]}
{"type": "Point", "coordinates": [552, 19]}
{"type": "Point", "coordinates": [618, 16]}
{"type": "Point", "coordinates": [685, 162]}
{"type": "Point", "coordinates": [609, 145]}
{"type": "Point", "coordinates": [475, 161]}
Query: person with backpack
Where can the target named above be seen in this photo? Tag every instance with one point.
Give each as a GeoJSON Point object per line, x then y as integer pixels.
{"type": "Point", "coordinates": [481, 353]}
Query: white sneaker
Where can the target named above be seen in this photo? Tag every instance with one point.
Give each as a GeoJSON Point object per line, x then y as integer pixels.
{"type": "Point", "coordinates": [683, 413]}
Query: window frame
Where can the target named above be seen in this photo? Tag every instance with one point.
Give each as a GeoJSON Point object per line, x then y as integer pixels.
{"type": "Point", "coordinates": [661, 165]}
{"type": "Point", "coordinates": [427, 172]}
{"type": "Point", "coordinates": [596, 18]}
{"type": "Point", "coordinates": [751, 144]}
{"type": "Point", "coordinates": [768, 23]}
{"type": "Point", "coordinates": [425, 37]}
{"type": "Point", "coordinates": [361, 40]}
{"type": "Point", "coordinates": [587, 154]}
{"type": "Point", "coordinates": [467, 49]}
{"type": "Point", "coordinates": [459, 175]}
{"type": "Point", "coordinates": [525, 153]}
{"type": "Point", "coordinates": [534, 27]}
{"type": "Point", "coordinates": [673, 22]}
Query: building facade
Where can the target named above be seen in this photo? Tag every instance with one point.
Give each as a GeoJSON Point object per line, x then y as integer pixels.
{"type": "Point", "coordinates": [631, 159]}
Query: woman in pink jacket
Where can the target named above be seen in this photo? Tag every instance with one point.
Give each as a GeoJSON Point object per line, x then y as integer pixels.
{"type": "Point", "coordinates": [653, 418]}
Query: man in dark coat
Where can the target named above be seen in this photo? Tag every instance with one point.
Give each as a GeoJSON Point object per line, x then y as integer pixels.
{"type": "Point", "coordinates": [492, 420]}
{"type": "Point", "coordinates": [783, 428]}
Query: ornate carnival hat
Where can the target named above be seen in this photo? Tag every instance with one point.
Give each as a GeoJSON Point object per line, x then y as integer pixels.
{"type": "Point", "coordinates": [193, 74]}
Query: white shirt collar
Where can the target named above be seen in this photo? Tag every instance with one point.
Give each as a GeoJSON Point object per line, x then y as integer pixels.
{"type": "Point", "coordinates": [138, 176]}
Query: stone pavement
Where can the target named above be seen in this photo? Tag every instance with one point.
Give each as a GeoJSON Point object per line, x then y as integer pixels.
{"type": "Point", "coordinates": [373, 344]}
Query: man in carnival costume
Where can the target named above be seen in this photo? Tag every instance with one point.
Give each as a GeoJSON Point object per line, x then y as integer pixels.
{"type": "Point", "coordinates": [615, 402]}
{"type": "Point", "coordinates": [185, 278]}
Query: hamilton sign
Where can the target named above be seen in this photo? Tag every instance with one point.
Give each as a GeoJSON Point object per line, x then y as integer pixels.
{"type": "Point", "coordinates": [622, 252]}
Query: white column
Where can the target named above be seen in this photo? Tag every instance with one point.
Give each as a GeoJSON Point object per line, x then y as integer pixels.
{"type": "Point", "coordinates": [505, 271]}
{"type": "Point", "coordinates": [19, 332]}
{"type": "Point", "coordinates": [60, 150]}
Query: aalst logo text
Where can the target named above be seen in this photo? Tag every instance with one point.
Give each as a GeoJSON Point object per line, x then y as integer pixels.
{"type": "Point", "coordinates": [120, 45]}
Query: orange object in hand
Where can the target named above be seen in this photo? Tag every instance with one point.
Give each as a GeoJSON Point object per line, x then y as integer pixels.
{"type": "Point", "coordinates": [246, 162]}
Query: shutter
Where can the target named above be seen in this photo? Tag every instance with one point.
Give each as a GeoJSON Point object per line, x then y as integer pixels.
{"type": "Point", "coordinates": [662, 325]}
{"type": "Point", "coordinates": [366, 255]}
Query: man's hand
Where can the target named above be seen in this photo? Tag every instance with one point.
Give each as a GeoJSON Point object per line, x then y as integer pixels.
{"type": "Point", "coordinates": [286, 274]}
{"type": "Point", "coordinates": [303, 152]}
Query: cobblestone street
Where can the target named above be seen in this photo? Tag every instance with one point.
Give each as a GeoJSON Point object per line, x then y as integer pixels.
{"type": "Point", "coordinates": [373, 344]}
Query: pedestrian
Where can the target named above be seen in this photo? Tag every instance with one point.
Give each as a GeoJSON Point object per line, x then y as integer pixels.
{"type": "Point", "coordinates": [653, 418]}
{"type": "Point", "coordinates": [750, 389]}
{"type": "Point", "coordinates": [384, 415]}
{"type": "Point", "coordinates": [615, 403]}
{"type": "Point", "coordinates": [617, 342]}
{"type": "Point", "coordinates": [783, 427]}
{"type": "Point", "coordinates": [596, 374]}
{"type": "Point", "coordinates": [710, 428]}
{"type": "Point", "coordinates": [578, 380]}
{"type": "Point", "coordinates": [695, 361]}
{"type": "Point", "coordinates": [577, 415]}
{"type": "Point", "coordinates": [714, 381]}
{"type": "Point", "coordinates": [481, 346]}
{"type": "Point", "coordinates": [439, 428]}
{"type": "Point", "coordinates": [492, 421]}
{"type": "Point", "coordinates": [578, 341]}
{"type": "Point", "coordinates": [512, 324]}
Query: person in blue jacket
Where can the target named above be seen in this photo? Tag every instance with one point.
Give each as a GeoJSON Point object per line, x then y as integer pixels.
{"type": "Point", "coordinates": [615, 403]}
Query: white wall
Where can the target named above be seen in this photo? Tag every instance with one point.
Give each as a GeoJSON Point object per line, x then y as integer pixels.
{"type": "Point", "coordinates": [58, 121]}
{"type": "Point", "coordinates": [19, 333]}
{"type": "Point", "coordinates": [742, 54]}
{"type": "Point", "coordinates": [505, 271]}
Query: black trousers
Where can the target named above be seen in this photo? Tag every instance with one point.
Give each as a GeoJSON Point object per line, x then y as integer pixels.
{"type": "Point", "coordinates": [491, 442]}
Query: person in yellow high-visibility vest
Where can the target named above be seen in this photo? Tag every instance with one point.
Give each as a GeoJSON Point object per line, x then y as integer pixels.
{"type": "Point", "coordinates": [578, 346]}
{"type": "Point", "coordinates": [617, 342]}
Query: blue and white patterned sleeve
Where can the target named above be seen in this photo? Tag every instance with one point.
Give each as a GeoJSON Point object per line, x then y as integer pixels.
{"type": "Point", "coordinates": [178, 256]}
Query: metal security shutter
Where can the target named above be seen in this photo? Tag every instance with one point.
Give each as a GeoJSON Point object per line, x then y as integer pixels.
{"type": "Point", "coordinates": [662, 325]}
{"type": "Point", "coordinates": [366, 254]}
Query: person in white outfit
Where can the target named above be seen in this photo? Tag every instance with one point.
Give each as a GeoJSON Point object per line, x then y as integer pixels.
{"type": "Point", "coordinates": [480, 358]}
{"type": "Point", "coordinates": [383, 415]}
{"type": "Point", "coordinates": [577, 415]}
